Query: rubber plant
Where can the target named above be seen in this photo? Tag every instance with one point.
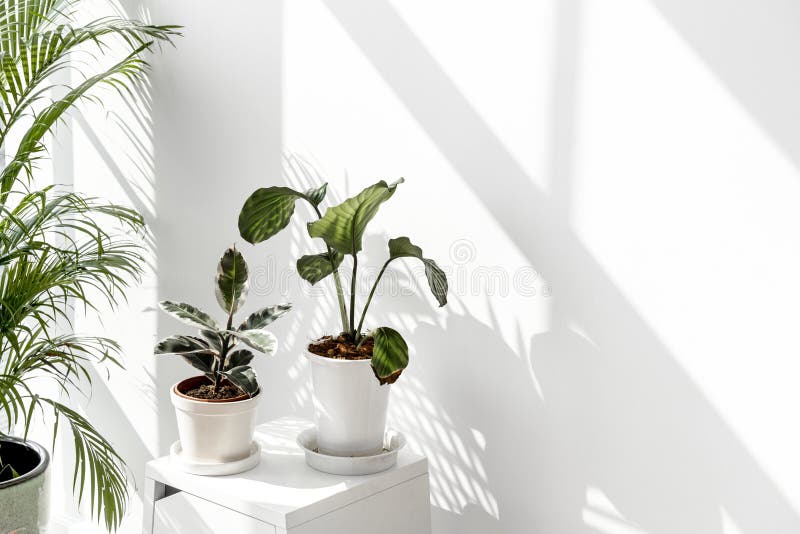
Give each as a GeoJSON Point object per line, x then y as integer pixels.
{"type": "Point", "coordinates": [269, 210]}
{"type": "Point", "coordinates": [217, 351]}
{"type": "Point", "coordinates": [61, 251]}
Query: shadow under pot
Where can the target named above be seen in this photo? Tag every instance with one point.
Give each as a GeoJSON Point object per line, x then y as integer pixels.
{"type": "Point", "coordinates": [349, 406]}
{"type": "Point", "coordinates": [213, 430]}
{"type": "Point", "coordinates": [23, 491]}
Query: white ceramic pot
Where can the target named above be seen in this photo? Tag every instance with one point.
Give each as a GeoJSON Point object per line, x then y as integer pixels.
{"type": "Point", "coordinates": [24, 500]}
{"type": "Point", "coordinates": [349, 406]}
{"type": "Point", "coordinates": [213, 431]}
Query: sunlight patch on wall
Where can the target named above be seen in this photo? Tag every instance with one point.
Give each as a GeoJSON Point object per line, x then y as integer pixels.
{"type": "Point", "coordinates": [600, 514]}
{"type": "Point", "coordinates": [695, 221]}
{"type": "Point", "coordinates": [729, 526]}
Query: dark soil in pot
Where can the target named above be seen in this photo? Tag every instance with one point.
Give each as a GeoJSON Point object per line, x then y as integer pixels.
{"type": "Point", "coordinates": [341, 347]}
{"type": "Point", "coordinates": [201, 388]}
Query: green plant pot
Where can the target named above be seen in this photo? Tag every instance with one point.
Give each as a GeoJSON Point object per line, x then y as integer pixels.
{"type": "Point", "coordinates": [24, 499]}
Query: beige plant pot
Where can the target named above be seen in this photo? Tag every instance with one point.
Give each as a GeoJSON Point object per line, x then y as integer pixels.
{"type": "Point", "coordinates": [213, 431]}
{"type": "Point", "coordinates": [349, 406]}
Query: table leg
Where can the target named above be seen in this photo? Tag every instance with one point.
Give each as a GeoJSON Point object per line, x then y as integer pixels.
{"type": "Point", "coordinates": [153, 491]}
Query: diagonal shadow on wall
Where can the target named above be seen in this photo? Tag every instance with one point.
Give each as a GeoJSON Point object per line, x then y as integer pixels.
{"type": "Point", "coordinates": [753, 47]}
{"type": "Point", "coordinates": [618, 413]}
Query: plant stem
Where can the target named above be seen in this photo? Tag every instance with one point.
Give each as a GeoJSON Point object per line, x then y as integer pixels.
{"type": "Point", "coordinates": [339, 294]}
{"type": "Point", "coordinates": [353, 332]}
{"type": "Point", "coordinates": [223, 354]}
{"type": "Point", "coordinates": [372, 292]}
{"type": "Point", "coordinates": [337, 280]}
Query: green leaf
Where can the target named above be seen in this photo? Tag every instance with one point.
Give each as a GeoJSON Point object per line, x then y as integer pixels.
{"type": "Point", "coordinates": [261, 340]}
{"type": "Point", "coordinates": [266, 212]}
{"type": "Point", "coordinates": [315, 267]}
{"type": "Point", "coordinates": [244, 377]}
{"type": "Point", "coordinates": [98, 467]}
{"type": "Point", "coordinates": [203, 362]}
{"type": "Point", "coordinates": [182, 345]}
{"type": "Point", "coordinates": [437, 281]}
{"type": "Point", "coordinates": [389, 355]}
{"type": "Point", "coordinates": [317, 195]}
{"type": "Point", "coordinates": [264, 316]}
{"type": "Point", "coordinates": [402, 247]}
{"type": "Point", "coordinates": [213, 338]}
{"type": "Point", "coordinates": [194, 350]}
{"type": "Point", "coordinates": [10, 468]}
{"type": "Point", "coordinates": [237, 358]}
{"type": "Point", "coordinates": [188, 314]}
{"type": "Point", "coordinates": [231, 281]}
{"type": "Point", "coordinates": [342, 227]}
{"type": "Point", "coordinates": [131, 68]}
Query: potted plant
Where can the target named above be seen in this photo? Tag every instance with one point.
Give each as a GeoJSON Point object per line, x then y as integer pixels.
{"type": "Point", "coordinates": [22, 483]}
{"type": "Point", "coordinates": [60, 251]}
{"type": "Point", "coordinates": [216, 410]}
{"type": "Point", "coordinates": [351, 371]}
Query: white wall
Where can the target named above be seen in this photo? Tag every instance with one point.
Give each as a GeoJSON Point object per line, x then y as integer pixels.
{"type": "Point", "coordinates": [628, 169]}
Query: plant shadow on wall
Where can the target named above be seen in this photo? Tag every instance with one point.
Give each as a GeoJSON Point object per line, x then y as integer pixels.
{"type": "Point", "coordinates": [106, 406]}
{"type": "Point", "coordinates": [121, 137]}
{"type": "Point", "coordinates": [621, 430]}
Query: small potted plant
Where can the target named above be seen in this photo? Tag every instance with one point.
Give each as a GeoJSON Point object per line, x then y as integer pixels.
{"type": "Point", "coordinates": [351, 371]}
{"type": "Point", "coordinates": [216, 410]}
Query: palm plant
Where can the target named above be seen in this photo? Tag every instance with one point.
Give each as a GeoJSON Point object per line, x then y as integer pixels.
{"type": "Point", "coordinates": [59, 249]}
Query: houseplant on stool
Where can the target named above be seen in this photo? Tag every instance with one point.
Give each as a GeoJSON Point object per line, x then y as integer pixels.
{"type": "Point", "coordinates": [351, 371]}
{"type": "Point", "coordinates": [216, 410]}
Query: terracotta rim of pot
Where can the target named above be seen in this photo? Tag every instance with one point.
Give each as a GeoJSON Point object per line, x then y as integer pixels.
{"type": "Point", "coordinates": [44, 461]}
{"type": "Point", "coordinates": [193, 382]}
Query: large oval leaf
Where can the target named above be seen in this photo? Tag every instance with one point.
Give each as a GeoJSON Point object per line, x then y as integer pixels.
{"type": "Point", "coordinates": [266, 212]}
{"type": "Point", "coordinates": [203, 362]}
{"type": "Point", "coordinates": [260, 340]}
{"type": "Point", "coordinates": [244, 377]}
{"type": "Point", "coordinates": [264, 316]}
{"type": "Point", "coordinates": [342, 227]}
{"type": "Point", "coordinates": [238, 358]}
{"type": "Point", "coordinates": [188, 314]}
{"type": "Point", "coordinates": [402, 247]}
{"type": "Point", "coordinates": [194, 350]}
{"type": "Point", "coordinates": [213, 338]}
{"type": "Point", "coordinates": [315, 267]}
{"type": "Point", "coordinates": [389, 355]}
{"type": "Point", "coordinates": [231, 281]}
{"type": "Point", "coordinates": [182, 345]}
{"type": "Point", "coordinates": [437, 281]}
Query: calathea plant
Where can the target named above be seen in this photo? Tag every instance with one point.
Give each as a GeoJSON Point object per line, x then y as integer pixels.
{"type": "Point", "coordinates": [218, 351]}
{"type": "Point", "coordinates": [268, 210]}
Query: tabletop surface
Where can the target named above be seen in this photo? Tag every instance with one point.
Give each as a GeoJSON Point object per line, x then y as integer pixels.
{"type": "Point", "coordinates": [282, 490]}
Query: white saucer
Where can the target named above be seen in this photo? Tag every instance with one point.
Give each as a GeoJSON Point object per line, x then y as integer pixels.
{"type": "Point", "coordinates": [214, 469]}
{"type": "Point", "coordinates": [351, 465]}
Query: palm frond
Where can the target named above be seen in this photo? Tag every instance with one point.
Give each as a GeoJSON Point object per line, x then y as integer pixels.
{"type": "Point", "coordinates": [38, 39]}
{"type": "Point", "coordinates": [98, 468]}
{"type": "Point", "coordinates": [60, 251]}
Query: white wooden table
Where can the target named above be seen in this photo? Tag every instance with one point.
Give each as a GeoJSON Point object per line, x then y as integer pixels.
{"type": "Point", "coordinates": [282, 495]}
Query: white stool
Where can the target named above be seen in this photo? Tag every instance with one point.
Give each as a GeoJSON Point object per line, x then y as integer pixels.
{"type": "Point", "coordinates": [282, 495]}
